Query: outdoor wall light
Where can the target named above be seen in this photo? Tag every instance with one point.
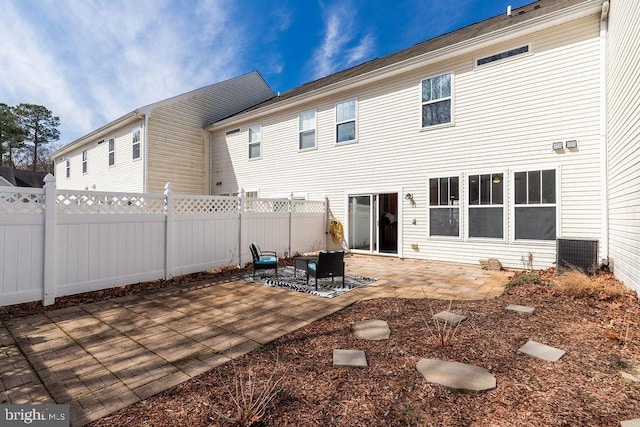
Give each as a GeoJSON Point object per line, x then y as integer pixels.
{"type": "Point", "coordinates": [557, 145]}
{"type": "Point", "coordinates": [571, 144]}
{"type": "Point", "coordinates": [409, 196]}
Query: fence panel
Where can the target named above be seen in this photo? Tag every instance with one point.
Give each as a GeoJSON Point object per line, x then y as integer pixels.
{"type": "Point", "coordinates": [21, 244]}
{"type": "Point", "coordinates": [62, 242]}
{"type": "Point", "coordinates": [108, 239]}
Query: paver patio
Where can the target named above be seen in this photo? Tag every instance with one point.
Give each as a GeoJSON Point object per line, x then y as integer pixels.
{"type": "Point", "coordinates": [103, 356]}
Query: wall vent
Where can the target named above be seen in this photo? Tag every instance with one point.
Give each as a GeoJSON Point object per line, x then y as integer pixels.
{"type": "Point", "coordinates": [232, 131]}
{"type": "Point", "coordinates": [577, 253]}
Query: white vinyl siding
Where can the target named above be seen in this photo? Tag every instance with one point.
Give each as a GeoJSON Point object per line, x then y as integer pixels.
{"type": "Point", "coordinates": [125, 175]}
{"type": "Point", "coordinates": [623, 87]}
{"type": "Point", "coordinates": [506, 118]}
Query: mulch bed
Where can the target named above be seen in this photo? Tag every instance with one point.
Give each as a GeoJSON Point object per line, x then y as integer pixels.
{"type": "Point", "coordinates": [583, 388]}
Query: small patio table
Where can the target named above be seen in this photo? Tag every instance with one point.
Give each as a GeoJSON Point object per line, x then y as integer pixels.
{"type": "Point", "coordinates": [303, 262]}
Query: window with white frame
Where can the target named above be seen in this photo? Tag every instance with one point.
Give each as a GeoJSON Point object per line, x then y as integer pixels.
{"type": "Point", "coordinates": [346, 121]}
{"type": "Point", "coordinates": [68, 167]}
{"type": "Point", "coordinates": [307, 130]}
{"type": "Point", "coordinates": [112, 151]}
{"type": "Point", "coordinates": [436, 100]}
{"type": "Point", "coordinates": [84, 161]}
{"type": "Point", "coordinates": [254, 141]}
{"type": "Point", "coordinates": [535, 204]}
{"type": "Point", "coordinates": [136, 144]}
{"type": "Point", "coordinates": [486, 205]}
{"type": "Point", "coordinates": [444, 206]}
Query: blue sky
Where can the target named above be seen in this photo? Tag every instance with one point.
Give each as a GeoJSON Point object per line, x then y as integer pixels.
{"type": "Point", "coordinates": [90, 62]}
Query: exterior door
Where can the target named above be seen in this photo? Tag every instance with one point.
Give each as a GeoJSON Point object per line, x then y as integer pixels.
{"type": "Point", "coordinates": [373, 223]}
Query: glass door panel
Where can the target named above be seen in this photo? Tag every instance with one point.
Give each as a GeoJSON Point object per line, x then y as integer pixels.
{"type": "Point", "coordinates": [360, 225]}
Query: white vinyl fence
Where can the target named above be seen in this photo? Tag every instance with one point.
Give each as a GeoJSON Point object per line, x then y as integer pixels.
{"type": "Point", "coordinates": [62, 242]}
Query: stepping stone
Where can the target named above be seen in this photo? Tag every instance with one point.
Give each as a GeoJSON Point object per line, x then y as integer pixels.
{"type": "Point", "coordinates": [456, 375]}
{"type": "Point", "coordinates": [630, 423]}
{"type": "Point", "coordinates": [630, 377]}
{"type": "Point", "coordinates": [372, 330]}
{"type": "Point", "coordinates": [350, 358]}
{"type": "Point", "coordinates": [541, 351]}
{"type": "Point", "coordinates": [521, 308]}
{"type": "Point", "coordinates": [450, 318]}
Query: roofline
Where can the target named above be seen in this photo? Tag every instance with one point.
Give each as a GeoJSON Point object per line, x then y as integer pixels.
{"type": "Point", "coordinates": [558, 17]}
{"type": "Point", "coordinates": [101, 131]}
{"type": "Point", "coordinates": [139, 114]}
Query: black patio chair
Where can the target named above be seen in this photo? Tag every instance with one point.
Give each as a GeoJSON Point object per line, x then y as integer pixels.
{"type": "Point", "coordinates": [330, 264]}
{"type": "Point", "coordinates": [263, 260]}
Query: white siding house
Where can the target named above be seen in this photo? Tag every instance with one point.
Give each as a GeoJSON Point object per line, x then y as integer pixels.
{"type": "Point", "coordinates": [159, 143]}
{"type": "Point", "coordinates": [623, 126]}
{"type": "Point", "coordinates": [481, 143]}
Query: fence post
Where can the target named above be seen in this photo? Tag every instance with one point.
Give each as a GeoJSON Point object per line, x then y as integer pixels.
{"type": "Point", "coordinates": [290, 222]}
{"type": "Point", "coordinates": [326, 221]}
{"type": "Point", "coordinates": [49, 279]}
{"type": "Point", "coordinates": [168, 238]}
{"type": "Point", "coordinates": [241, 210]}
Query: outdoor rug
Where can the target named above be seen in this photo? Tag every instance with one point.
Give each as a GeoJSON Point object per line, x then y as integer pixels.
{"type": "Point", "coordinates": [326, 288]}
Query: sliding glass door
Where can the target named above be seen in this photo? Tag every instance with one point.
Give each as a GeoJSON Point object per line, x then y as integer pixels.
{"type": "Point", "coordinates": [373, 223]}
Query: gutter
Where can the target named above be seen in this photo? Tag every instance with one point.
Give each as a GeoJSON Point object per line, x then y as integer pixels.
{"type": "Point", "coordinates": [604, 154]}
{"type": "Point", "coordinates": [552, 19]}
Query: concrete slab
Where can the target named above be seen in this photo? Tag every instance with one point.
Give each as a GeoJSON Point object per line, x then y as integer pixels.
{"type": "Point", "coordinates": [521, 308]}
{"type": "Point", "coordinates": [352, 358]}
{"type": "Point", "coordinates": [372, 330]}
{"type": "Point", "coordinates": [456, 375]}
{"type": "Point", "coordinates": [541, 351]}
{"type": "Point", "coordinates": [630, 423]}
{"type": "Point", "coordinates": [450, 318]}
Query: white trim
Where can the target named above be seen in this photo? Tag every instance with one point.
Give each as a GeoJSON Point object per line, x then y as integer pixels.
{"type": "Point", "coordinates": [249, 143]}
{"type": "Point", "coordinates": [604, 152]}
{"type": "Point", "coordinates": [336, 123]}
{"type": "Point", "coordinates": [512, 203]}
{"type": "Point", "coordinates": [315, 130]}
{"type": "Point", "coordinates": [505, 207]}
{"type": "Point", "coordinates": [460, 206]}
{"type": "Point", "coordinates": [451, 98]}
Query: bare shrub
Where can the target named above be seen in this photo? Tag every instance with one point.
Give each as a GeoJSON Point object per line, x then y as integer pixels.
{"type": "Point", "coordinates": [443, 331]}
{"type": "Point", "coordinates": [250, 395]}
{"type": "Point", "coordinates": [578, 285]}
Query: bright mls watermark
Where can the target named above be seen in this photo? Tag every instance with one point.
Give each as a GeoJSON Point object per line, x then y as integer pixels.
{"type": "Point", "coordinates": [36, 415]}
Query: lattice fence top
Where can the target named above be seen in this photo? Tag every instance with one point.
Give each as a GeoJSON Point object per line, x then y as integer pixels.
{"type": "Point", "coordinates": [266, 205]}
{"type": "Point", "coordinates": [206, 204]}
{"type": "Point", "coordinates": [21, 201]}
{"type": "Point", "coordinates": [307, 206]}
{"type": "Point", "coordinates": [109, 203]}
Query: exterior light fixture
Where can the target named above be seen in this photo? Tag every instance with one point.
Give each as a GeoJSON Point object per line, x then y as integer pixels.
{"type": "Point", "coordinates": [409, 196]}
{"type": "Point", "coordinates": [557, 145]}
{"type": "Point", "coordinates": [571, 144]}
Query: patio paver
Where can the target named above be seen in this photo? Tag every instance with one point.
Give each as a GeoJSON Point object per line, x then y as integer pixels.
{"type": "Point", "coordinates": [103, 356]}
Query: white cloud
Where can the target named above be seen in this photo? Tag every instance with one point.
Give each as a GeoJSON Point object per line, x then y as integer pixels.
{"type": "Point", "coordinates": [90, 62]}
{"type": "Point", "coordinates": [342, 45]}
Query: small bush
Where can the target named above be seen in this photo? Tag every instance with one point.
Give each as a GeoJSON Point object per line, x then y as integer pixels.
{"type": "Point", "coordinates": [526, 278]}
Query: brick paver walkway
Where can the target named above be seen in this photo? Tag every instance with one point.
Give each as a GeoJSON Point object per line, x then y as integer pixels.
{"type": "Point", "coordinates": [103, 356]}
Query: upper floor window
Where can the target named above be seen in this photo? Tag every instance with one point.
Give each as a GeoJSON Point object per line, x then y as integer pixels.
{"type": "Point", "coordinates": [68, 167]}
{"type": "Point", "coordinates": [444, 206]}
{"type": "Point", "coordinates": [254, 141]}
{"type": "Point", "coordinates": [346, 121]}
{"type": "Point", "coordinates": [535, 204]}
{"type": "Point", "coordinates": [436, 100]}
{"type": "Point", "coordinates": [84, 161]}
{"type": "Point", "coordinates": [502, 55]}
{"type": "Point", "coordinates": [136, 144]}
{"type": "Point", "coordinates": [112, 151]}
{"type": "Point", "coordinates": [486, 208]}
{"type": "Point", "coordinates": [307, 130]}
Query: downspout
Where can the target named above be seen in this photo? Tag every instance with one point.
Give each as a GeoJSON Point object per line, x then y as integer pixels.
{"type": "Point", "coordinates": [604, 160]}
{"type": "Point", "coordinates": [145, 156]}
